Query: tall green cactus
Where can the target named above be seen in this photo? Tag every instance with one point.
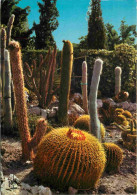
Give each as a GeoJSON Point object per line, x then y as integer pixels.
{"type": "Point", "coordinates": [118, 72]}
{"type": "Point", "coordinates": [84, 86]}
{"type": "Point", "coordinates": [66, 71]}
{"type": "Point", "coordinates": [94, 121]}
{"type": "Point", "coordinates": [7, 93]}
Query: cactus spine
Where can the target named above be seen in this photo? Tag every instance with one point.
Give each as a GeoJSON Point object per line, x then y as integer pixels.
{"type": "Point", "coordinates": [118, 72]}
{"type": "Point", "coordinates": [66, 71]}
{"type": "Point", "coordinates": [7, 93]}
{"type": "Point", "coordinates": [84, 87]}
{"type": "Point", "coordinates": [21, 107]}
{"type": "Point", "coordinates": [94, 121]}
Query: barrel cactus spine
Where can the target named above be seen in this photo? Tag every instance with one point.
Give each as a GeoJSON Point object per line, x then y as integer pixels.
{"type": "Point", "coordinates": [21, 107]}
{"type": "Point", "coordinates": [66, 71]}
{"type": "Point", "coordinates": [114, 155]}
{"type": "Point", "coordinates": [118, 72]}
{"type": "Point", "coordinates": [94, 121]}
{"type": "Point", "coordinates": [70, 157]}
{"type": "Point", "coordinates": [84, 87]}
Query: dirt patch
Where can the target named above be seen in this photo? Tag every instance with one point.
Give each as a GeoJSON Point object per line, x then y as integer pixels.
{"type": "Point", "coordinates": [122, 182]}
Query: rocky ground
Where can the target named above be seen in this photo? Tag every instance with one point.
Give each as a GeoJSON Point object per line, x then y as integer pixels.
{"type": "Point", "coordinates": [19, 177]}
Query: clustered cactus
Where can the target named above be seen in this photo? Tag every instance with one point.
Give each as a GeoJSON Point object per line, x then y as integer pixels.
{"type": "Point", "coordinates": [70, 157]}
{"type": "Point", "coordinates": [40, 78]}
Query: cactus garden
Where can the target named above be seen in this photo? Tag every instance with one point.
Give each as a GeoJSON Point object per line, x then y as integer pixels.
{"type": "Point", "coordinates": [68, 110]}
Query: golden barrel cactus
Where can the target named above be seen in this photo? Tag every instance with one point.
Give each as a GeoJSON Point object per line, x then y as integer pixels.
{"type": "Point", "coordinates": [114, 155]}
{"type": "Point", "coordinates": [70, 157]}
{"type": "Point", "coordinates": [83, 123]}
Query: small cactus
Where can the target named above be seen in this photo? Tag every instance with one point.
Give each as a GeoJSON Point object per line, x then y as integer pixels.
{"type": "Point", "coordinates": [69, 157]}
{"type": "Point", "coordinates": [83, 123]}
{"type": "Point", "coordinates": [114, 155]}
{"type": "Point", "coordinates": [66, 71]}
{"type": "Point", "coordinates": [127, 114]}
{"type": "Point", "coordinates": [118, 72]}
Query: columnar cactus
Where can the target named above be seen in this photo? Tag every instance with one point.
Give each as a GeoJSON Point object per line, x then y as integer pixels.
{"type": "Point", "coordinates": [21, 107]}
{"type": "Point", "coordinates": [69, 157]}
{"type": "Point", "coordinates": [118, 72]}
{"type": "Point", "coordinates": [94, 121]}
{"type": "Point", "coordinates": [84, 87]}
{"type": "Point", "coordinates": [66, 71]}
{"type": "Point", "coordinates": [9, 29]}
{"type": "Point", "coordinates": [7, 93]}
{"type": "Point", "coordinates": [114, 155]}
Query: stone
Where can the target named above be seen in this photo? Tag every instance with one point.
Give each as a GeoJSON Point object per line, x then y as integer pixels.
{"type": "Point", "coordinates": [35, 110]}
{"type": "Point", "coordinates": [72, 190]}
{"type": "Point", "coordinates": [110, 101]}
{"type": "Point", "coordinates": [24, 192]}
{"type": "Point", "coordinates": [6, 184]}
{"type": "Point", "coordinates": [75, 109]}
{"type": "Point", "coordinates": [13, 178]}
{"type": "Point", "coordinates": [52, 113]}
{"type": "Point", "coordinates": [44, 191]}
{"type": "Point", "coordinates": [99, 103]}
{"type": "Point", "coordinates": [103, 189]}
{"type": "Point", "coordinates": [25, 186]}
{"type": "Point", "coordinates": [44, 113]}
{"type": "Point", "coordinates": [125, 105]}
{"type": "Point", "coordinates": [1, 176]}
{"type": "Point", "coordinates": [130, 190]}
{"type": "Point", "coordinates": [35, 190]}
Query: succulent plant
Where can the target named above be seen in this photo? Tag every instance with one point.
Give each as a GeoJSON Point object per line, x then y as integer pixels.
{"type": "Point", "coordinates": [66, 71]}
{"type": "Point", "coordinates": [127, 114]}
{"type": "Point", "coordinates": [118, 72]}
{"type": "Point", "coordinates": [114, 155]}
{"type": "Point", "coordinates": [84, 87]}
{"type": "Point", "coordinates": [83, 123]}
{"type": "Point", "coordinates": [70, 157]}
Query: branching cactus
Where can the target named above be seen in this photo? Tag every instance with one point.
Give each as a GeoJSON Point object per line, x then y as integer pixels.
{"type": "Point", "coordinates": [7, 93]}
{"type": "Point", "coordinates": [21, 108]}
{"type": "Point", "coordinates": [84, 87]}
{"type": "Point", "coordinates": [40, 78]}
{"type": "Point", "coordinates": [66, 71]}
{"type": "Point", "coordinates": [94, 121]}
{"type": "Point", "coordinates": [118, 72]}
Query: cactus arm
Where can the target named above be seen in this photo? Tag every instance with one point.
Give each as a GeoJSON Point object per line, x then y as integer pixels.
{"type": "Point", "coordinates": [7, 94]}
{"type": "Point", "coordinates": [84, 86]}
{"type": "Point", "coordinates": [118, 72]}
{"type": "Point", "coordinates": [94, 121]}
{"type": "Point", "coordinates": [9, 28]}
{"type": "Point", "coordinates": [66, 71]}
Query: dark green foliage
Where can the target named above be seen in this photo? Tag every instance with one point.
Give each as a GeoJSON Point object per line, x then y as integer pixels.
{"type": "Point", "coordinates": [112, 36]}
{"type": "Point", "coordinates": [48, 23]}
{"type": "Point", "coordinates": [96, 38]}
{"type": "Point", "coordinates": [20, 31]}
{"type": "Point", "coordinates": [127, 33]}
{"type": "Point", "coordinates": [123, 56]}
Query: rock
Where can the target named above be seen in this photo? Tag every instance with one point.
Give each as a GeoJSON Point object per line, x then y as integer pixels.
{"type": "Point", "coordinates": [25, 187]}
{"type": "Point", "coordinates": [24, 192]}
{"type": "Point", "coordinates": [130, 190]}
{"type": "Point", "coordinates": [13, 178]}
{"type": "Point", "coordinates": [125, 105]}
{"type": "Point", "coordinates": [52, 113]}
{"type": "Point", "coordinates": [44, 190]}
{"type": "Point", "coordinates": [99, 103]}
{"type": "Point", "coordinates": [72, 190]}
{"type": "Point", "coordinates": [35, 110]}
{"type": "Point", "coordinates": [1, 176]}
{"type": "Point", "coordinates": [103, 189]}
{"type": "Point", "coordinates": [6, 184]}
{"type": "Point", "coordinates": [35, 190]}
{"type": "Point", "coordinates": [75, 109]}
{"type": "Point", "coordinates": [110, 101]}
{"type": "Point", "coordinates": [44, 113]}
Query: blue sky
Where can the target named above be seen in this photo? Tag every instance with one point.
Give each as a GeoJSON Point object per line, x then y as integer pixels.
{"type": "Point", "coordinates": [73, 21]}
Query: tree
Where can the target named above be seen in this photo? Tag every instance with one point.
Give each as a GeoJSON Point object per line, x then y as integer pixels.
{"type": "Point", "coordinates": [96, 38]}
{"type": "Point", "coordinates": [127, 33]}
{"type": "Point", "coordinates": [20, 31]}
{"type": "Point", "coordinates": [48, 23]}
{"type": "Point", "coordinates": [112, 36]}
